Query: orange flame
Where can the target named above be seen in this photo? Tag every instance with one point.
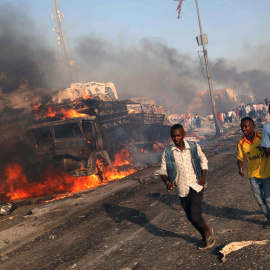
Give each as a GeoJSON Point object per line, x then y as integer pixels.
{"type": "Point", "coordinates": [122, 158]}
{"type": "Point", "coordinates": [71, 114]}
{"type": "Point", "coordinates": [86, 96]}
{"type": "Point", "coordinates": [36, 106]}
{"type": "Point", "coordinates": [17, 187]}
{"type": "Point", "coordinates": [50, 112]}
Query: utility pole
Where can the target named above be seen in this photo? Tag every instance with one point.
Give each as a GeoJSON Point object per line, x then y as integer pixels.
{"type": "Point", "coordinates": [64, 52]}
{"type": "Point", "coordinates": [202, 39]}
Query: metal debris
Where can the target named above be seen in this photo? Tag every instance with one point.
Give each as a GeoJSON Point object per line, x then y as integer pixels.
{"type": "Point", "coordinates": [239, 245]}
{"type": "Point", "coordinates": [6, 209]}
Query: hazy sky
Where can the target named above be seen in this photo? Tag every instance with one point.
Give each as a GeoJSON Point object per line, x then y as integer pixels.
{"type": "Point", "coordinates": [141, 46]}
{"type": "Point", "coordinates": [233, 27]}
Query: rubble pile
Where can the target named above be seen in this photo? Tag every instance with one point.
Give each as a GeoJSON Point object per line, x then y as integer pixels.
{"type": "Point", "coordinates": [154, 109]}
{"type": "Point", "coordinates": [105, 91]}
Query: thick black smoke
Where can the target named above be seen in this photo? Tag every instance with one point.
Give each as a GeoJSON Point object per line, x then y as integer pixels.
{"type": "Point", "coordinates": [254, 81]}
{"type": "Point", "coordinates": [161, 72]}
{"type": "Point", "coordinates": [25, 57]}
{"type": "Point", "coordinates": [27, 69]}
{"type": "Point", "coordinates": [148, 69]}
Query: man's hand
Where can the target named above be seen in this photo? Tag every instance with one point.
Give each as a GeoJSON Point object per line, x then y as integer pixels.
{"type": "Point", "coordinates": [241, 171]}
{"type": "Point", "coordinates": [240, 164]}
{"type": "Point", "coordinates": [170, 185]}
{"type": "Point", "coordinates": [202, 180]}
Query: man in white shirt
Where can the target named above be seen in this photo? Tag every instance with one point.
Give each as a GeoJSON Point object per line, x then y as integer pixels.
{"type": "Point", "coordinates": [184, 165]}
{"type": "Point", "coordinates": [247, 108]}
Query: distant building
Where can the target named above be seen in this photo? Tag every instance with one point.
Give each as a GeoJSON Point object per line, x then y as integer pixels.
{"type": "Point", "coordinates": [224, 99]}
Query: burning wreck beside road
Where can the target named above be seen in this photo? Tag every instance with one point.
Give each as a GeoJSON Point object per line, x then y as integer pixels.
{"type": "Point", "coordinates": [81, 144]}
{"type": "Point", "coordinates": [79, 136]}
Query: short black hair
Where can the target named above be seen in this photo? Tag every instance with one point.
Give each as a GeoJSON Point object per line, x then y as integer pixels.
{"type": "Point", "coordinates": [176, 126]}
{"type": "Point", "coordinates": [247, 118]}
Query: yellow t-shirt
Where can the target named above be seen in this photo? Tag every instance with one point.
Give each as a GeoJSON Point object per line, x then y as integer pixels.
{"type": "Point", "coordinates": [258, 165]}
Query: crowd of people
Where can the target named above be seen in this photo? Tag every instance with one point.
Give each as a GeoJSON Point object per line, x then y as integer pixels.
{"type": "Point", "coordinates": [253, 110]}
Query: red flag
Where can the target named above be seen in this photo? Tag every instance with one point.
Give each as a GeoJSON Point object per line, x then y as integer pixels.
{"type": "Point", "coordinates": [179, 8]}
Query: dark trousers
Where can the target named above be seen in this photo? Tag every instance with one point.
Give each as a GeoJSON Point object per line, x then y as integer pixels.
{"type": "Point", "coordinates": [192, 205]}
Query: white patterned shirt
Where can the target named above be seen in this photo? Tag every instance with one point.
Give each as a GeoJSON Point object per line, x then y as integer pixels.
{"type": "Point", "coordinates": [186, 176]}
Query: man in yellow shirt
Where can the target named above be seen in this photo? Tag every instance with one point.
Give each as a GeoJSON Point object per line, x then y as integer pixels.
{"type": "Point", "coordinates": [258, 165]}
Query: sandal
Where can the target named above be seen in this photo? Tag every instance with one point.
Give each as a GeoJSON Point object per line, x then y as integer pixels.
{"type": "Point", "coordinates": [209, 241]}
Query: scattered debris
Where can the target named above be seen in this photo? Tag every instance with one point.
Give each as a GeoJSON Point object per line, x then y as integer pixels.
{"type": "Point", "coordinates": [7, 241]}
{"type": "Point", "coordinates": [105, 91]}
{"type": "Point", "coordinates": [52, 236]}
{"type": "Point", "coordinates": [6, 209]}
{"type": "Point", "coordinates": [239, 245]}
{"type": "Point", "coordinates": [9, 218]}
{"type": "Point", "coordinates": [227, 231]}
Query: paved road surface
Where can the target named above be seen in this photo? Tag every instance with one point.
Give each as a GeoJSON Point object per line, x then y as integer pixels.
{"type": "Point", "coordinates": [144, 227]}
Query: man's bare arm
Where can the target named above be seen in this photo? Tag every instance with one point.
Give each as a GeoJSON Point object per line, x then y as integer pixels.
{"type": "Point", "coordinates": [202, 179]}
{"type": "Point", "coordinates": [165, 179]}
{"type": "Point", "coordinates": [266, 150]}
{"type": "Point", "coordinates": [240, 164]}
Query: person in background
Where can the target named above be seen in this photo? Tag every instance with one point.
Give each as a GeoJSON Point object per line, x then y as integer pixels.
{"type": "Point", "coordinates": [247, 109]}
{"type": "Point", "coordinates": [243, 111]}
{"type": "Point", "coordinates": [220, 118]}
{"type": "Point", "coordinates": [255, 114]}
{"type": "Point", "coordinates": [198, 121]}
{"type": "Point", "coordinates": [266, 110]}
{"type": "Point", "coordinates": [229, 116]}
{"type": "Point", "coordinates": [237, 114]}
{"type": "Point", "coordinates": [234, 116]}
{"type": "Point", "coordinates": [260, 109]}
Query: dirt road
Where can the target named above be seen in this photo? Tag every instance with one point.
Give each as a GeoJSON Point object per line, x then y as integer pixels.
{"type": "Point", "coordinates": [144, 227]}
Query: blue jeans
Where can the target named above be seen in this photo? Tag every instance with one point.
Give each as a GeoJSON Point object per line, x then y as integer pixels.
{"type": "Point", "coordinates": [261, 192]}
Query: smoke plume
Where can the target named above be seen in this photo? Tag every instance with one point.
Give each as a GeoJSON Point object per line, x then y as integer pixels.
{"type": "Point", "coordinates": [149, 69]}
{"type": "Point", "coordinates": [24, 53]}
{"type": "Point", "coordinates": [256, 81]}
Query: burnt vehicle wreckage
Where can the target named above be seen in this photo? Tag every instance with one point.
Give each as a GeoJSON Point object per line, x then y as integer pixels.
{"type": "Point", "coordinates": [103, 127]}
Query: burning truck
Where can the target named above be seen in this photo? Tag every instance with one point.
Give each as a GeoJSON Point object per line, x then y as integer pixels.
{"type": "Point", "coordinates": [82, 136]}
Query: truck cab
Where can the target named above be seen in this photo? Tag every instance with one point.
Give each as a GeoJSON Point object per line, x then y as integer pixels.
{"type": "Point", "coordinates": [74, 144]}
